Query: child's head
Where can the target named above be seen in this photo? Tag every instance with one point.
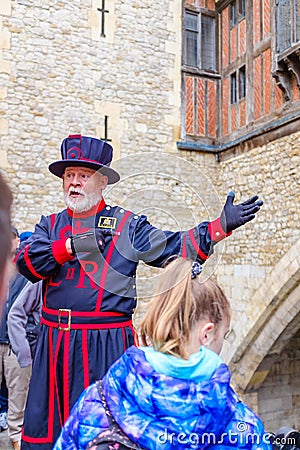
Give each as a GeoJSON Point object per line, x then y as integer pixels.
{"type": "Point", "coordinates": [185, 313]}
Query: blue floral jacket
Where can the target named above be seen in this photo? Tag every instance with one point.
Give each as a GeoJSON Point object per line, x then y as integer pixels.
{"type": "Point", "coordinates": [162, 412]}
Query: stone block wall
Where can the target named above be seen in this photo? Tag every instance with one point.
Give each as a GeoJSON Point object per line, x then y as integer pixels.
{"type": "Point", "coordinates": [279, 395]}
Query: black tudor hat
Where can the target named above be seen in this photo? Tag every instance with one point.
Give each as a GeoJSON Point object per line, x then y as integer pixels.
{"type": "Point", "coordinates": [84, 151]}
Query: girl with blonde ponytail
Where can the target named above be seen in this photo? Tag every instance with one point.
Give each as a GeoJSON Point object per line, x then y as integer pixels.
{"type": "Point", "coordinates": [173, 392]}
{"type": "Point", "coordinates": [181, 303]}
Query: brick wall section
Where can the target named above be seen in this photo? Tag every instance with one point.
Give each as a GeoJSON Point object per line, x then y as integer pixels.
{"type": "Point", "coordinates": [256, 21]}
{"type": "Point", "coordinates": [296, 92]}
{"type": "Point", "coordinates": [278, 96]}
{"type": "Point", "coordinates": [233, 43]}
{"type": "Point", "coordinates": [242, 37]}
{"type": "Point", "coordinates": [233, 117]}
{"type": "Point", "coordinates": [266, 7]}
{"type": "Point", "coordinates": [225, 38]}
{"type": "Point", "coordinates": [189, 105]}
{"type": "Point", "coordinates": [242, 106]}
{"type": "Point", "coordinates": [225, 105]}
{"type": "Point", "coordinates": [201, 106]}
{"type": "Point", "coordinates": [267, 81]}
{"type": "Point", "coordinates": [257, 87]}
{"type": "Point", "coordinates": [249, 42]}
{"type": "Point", "coordinates": [211, 108]}
{"type": "Point", "coordinates": [210, 4]}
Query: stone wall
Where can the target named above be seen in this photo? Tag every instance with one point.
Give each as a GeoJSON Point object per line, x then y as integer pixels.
{"type": "Point", "coordinates": [60, 76]}
{"type": "Point", "coordinates": [278, 397]}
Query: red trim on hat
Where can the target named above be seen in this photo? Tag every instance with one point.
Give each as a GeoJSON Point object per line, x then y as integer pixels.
{"type": "Point", "coordinates": [93, 161]}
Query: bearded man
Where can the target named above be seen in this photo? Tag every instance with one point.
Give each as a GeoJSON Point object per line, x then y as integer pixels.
{"type": "Point", "coordinates": [87, 256]}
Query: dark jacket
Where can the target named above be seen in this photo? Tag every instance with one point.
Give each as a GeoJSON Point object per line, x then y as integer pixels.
{"type": "Point", "coordinates": [15, 287]}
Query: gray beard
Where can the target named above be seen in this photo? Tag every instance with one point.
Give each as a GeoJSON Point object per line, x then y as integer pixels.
{"type": "Point", "coordinates": [82, 203]}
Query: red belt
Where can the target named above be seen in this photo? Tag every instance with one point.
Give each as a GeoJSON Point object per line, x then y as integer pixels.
{"type": "Point", "coordinates": [66, 319]}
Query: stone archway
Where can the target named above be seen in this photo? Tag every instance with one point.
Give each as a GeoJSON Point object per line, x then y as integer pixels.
{"type": "Point", "coordinates": [275, 313]}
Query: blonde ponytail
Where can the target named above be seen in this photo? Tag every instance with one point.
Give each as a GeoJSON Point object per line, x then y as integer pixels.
{"type": "Point", "coordinates": [177, 305]}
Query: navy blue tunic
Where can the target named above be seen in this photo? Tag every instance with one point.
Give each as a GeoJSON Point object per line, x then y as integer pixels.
{"type": "Point", "coordinates": [88, 304]}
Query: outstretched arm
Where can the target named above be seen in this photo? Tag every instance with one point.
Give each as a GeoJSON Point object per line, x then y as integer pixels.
{"type": "Point", "coordinates": [155, 246]}
{"type": "Point", "coordinates": [233, 216]}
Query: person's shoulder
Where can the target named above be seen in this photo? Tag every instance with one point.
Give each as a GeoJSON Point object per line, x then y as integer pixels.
{"type": "Point", "coordinates": [19, 281]}
{"type": "Point", "coordinates": [114, 209]}
{"type": "Point", "coordinates": [90, 395]}
{"type": "Point", "coordinates": [90, 404]}
{"type": "Point", "coordinates": [118, 213]}
{"type": "Point", "coordinates": [52, 218]}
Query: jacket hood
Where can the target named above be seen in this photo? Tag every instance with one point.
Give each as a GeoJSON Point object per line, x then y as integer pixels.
{"type": "Point", "coordinates": [159, 411]}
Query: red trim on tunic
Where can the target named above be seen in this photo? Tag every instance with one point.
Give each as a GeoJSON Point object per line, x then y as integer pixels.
{"type": "Point", "coordinates": [216, 231]}
{"type": "Point", "coordinates": [51, 385]}
{"type": "Point", "coordinates": [55, 312]}
{"type": "Point", "coordinates": [183, 251]}
{"type": "Point", "coordinates": [124, 339]}
{"type": "Point", "coordinates": [93, 211]}
{"type": "Point", "coordinates": [86, 326]}
{"type": "Point", "coordinates": [59, 339]}
{"type": "Point", "coordinates": [107, 260]}
{"type": "Point", "coordinates": [195, 244]}
{"type": "Point", "coordinates": [18, 254]}
{"type": "Point", "coordinates": [66, 376]}
{"type": "Point", "coordinates": [52, 221]}
{"type": "Point", "coordinates": [60, 253]}
{"type": "Point", "coordinates": [85, 359]}
{"type": "Point", "coordinates": [52, 376]}
{"type": "Point", "coordinates": [30, 266]}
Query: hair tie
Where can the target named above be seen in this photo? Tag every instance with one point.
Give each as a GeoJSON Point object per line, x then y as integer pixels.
{"type": "Point", "coordinates": [196, 269]}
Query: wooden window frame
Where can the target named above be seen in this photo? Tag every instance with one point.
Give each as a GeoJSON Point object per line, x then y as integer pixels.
{"type": "Point", "coordinates": [200, 67]}
{"type": "Point", "coordinates": [286, 33]}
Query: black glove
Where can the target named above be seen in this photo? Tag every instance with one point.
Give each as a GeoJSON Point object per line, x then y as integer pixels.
{"type": "Point", "coordinates": [90, 241]}
{"type": "Point", "coordinates": [234, 216]}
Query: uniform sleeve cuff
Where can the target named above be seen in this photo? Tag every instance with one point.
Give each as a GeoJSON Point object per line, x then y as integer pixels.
{"type": "Point", "coordinates": [216, 231]}
{"type": "Point", "coordinates": [60, 253]}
